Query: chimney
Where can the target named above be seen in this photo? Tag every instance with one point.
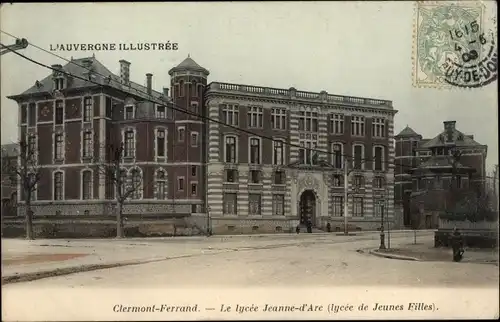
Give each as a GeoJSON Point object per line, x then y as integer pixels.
{"type": "Point", "coordinates": [165, 91]}
{"type": "Point", "coordinates": [124, 71]}
{"type": "Point", "coordinates": [449, 126]}
{"type": "Point", "coordinates": [55, 69]}
{"type": "Point", "coordinates": [149, 81]}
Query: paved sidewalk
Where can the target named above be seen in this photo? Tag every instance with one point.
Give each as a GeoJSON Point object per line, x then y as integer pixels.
{"type": "Point", "coordinates": [425, 251]}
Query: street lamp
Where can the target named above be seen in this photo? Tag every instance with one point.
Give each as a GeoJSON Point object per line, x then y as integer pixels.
{"type": "Point", "coordinates": [382, 234]}
{"type": "Point", "coordinates": [208, 222]}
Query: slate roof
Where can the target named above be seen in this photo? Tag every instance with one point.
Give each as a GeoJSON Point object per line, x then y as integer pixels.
{"type": "Point", "coordinates": [407, 132]}
{"type": "Point", "coordinates": [188, 64]}
{"type": "Point", "coordinates": [76, 67]}
{"type": "Point", "coordinates": [459, 139]}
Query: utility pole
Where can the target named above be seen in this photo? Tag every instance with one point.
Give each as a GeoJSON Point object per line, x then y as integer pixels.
{"type": "Point", "coordinates": [495, 174]}
{"type": "Point", "coordinates": [20, 44]}
{"type": "Point", "coordinates": [346, 178]}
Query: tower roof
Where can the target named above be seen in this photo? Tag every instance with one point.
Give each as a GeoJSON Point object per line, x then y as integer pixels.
{"type": "Point", "coordinates": [188, 64]}
{"type": "Point", "coordinates": [407, 132]}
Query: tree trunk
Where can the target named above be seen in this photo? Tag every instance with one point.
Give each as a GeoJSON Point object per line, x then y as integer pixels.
{"type": "Point", "coordinates": [119, 221]}
{"type": "Point", "coordinates": [29, 219]}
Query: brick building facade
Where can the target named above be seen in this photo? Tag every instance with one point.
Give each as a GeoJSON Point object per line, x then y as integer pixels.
{"type": "Point", "coordinates": [424, 170]}
{"type": "Point", "coordinates": [191, 166]}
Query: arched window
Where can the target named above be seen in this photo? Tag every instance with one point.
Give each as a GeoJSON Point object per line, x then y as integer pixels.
{"type": "Point", "coordinates": [181, 88]}
{"type": "Point", "coordinates": [194, 86]}
{"type": "Point", "coordinates": [337, 155]}
{"type": "Point", "coordinates": [378, 158]}
{"type": "Point", "coordinates": [359, 154]}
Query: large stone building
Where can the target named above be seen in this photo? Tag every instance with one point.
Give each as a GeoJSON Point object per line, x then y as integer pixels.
{"type": "Point", "coordinates": [259, 172]}
{"type": "Point", "coordinates": [426, 172]}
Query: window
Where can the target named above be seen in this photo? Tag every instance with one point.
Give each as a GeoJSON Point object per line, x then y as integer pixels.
{"type": "Point", "coordinates": [31, 146]}
{"type": "Point", "coordinates": [358, 207]}
{"type": "Point", "coordinates": [136, 184]}
{"type": "Point", "coordinates": [255, 117]}
{"type": "Point", "coordinates": [181, 88]}
{"type": "Point", "coordinates": [193, 171]}
{"type": "Point", "coordinates": [180, 184]}
{"type": "Point", "coordinates": [337, 158]}
{"type": "Point", "coordinates": [254, 205]}
{"type": "Point", "coordinates": [129, 151]}
{"type": "Point", "coordinates": [378, 158]}
{"type": "Point", "coordinates": [129, 112]}
{"type": "Point", "coordinates": [254, 151]}
{"type": "Point", "coordinates": [278, 118]}
{"type": "Point", "coordinates": [24, 114]}
{"type": "Point", "coordinates": [181, 132]}
{"type": "Point", "coordinates": [59, 83]}
{"type": "Point", "coordinates": [160, 143]}
{"type": "Point", "coordinates": [338, 206]}
{"type": "Point", "coordinates": [161, 185]}
{"type": "Point", "coordinates": [254, 176]}
{"type": "Point", "coordinates": [160, 112]}
{"type": "Point", "coordinates": [59, 149]}
{"type": "Point", "coordinates": [230, 115]}
{"type": "Point", "coordinates": [230, 203]}
{"type": "Point", "coordinates": [86, 185]}
{"type": "Point", "coordinates": [194, 189]}
{"type": "Point", "coordinates": [87, 109]}
{"type": "Point", "coordinates": [278, 153]}
{"type": "Point", "coordinates": [337, 123]}
{"type": "Point", "coordinates": [109, 108]}
{"type": "Point", "coordinates": [379, 207]}
{"type": "Point", "coordinates": [378, 127]}
{"type": "Point", "coordinates": [338, 180]}
{"type": "Point", "coordinates": [58, 186]}
{"type": "Point", "coordinates": [230, 149]}
{"type": "Point", "coordinates": [358, 156]}
{"type": "Point", "coordinates": [231, 175]}
{"type": "Point", "coordinates": [358, 125]}
{"type": "Point", "coordinates": [279, 177]}
{"type": "Point", "coordinates": [378, 183]}
{"type": "Point", "coordinates": [459, 181]}
{"type": "Point", "coordinates": [194, 139]}
{"type": "Point", "coordinates": [194, 85]}
{"type": "Point", "coordinates": [59, 112]}
{"type": "Point", "coordinates": [123, 182]}
{"type": "Point", "coordinates": [358, 182]}
{"type": "Point", "coordinates": [307, 155]}
{"type": "Point", "coordinates": [87, 144]}
{"type": "Point", "coordinates": [278, 205]}
{"type": "Point", "coordinates": [194, 110]}
{"type": "Point", "coordinates": [32, 114]}
{"type": "Point", "coordinates": [308, 121]}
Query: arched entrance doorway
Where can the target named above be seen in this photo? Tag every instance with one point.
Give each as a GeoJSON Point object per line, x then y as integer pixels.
{"type": "Point", "coordinates": [307, 207]}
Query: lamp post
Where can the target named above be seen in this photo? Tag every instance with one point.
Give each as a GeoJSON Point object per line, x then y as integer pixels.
{"type": "Point", "coordinates": [382, 234]}
{"type": "Point", "coordinates": [209, 233]}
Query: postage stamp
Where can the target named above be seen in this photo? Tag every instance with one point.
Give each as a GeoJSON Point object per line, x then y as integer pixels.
{"type": "Point", "coordinates": [453, 45]}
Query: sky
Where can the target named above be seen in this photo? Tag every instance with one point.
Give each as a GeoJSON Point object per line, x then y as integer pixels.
{"type": "Point", "coordinates": [346, 48]}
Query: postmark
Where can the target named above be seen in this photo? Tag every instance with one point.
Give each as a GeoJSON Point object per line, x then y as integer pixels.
{"type": "Point", "coordinates": [452, 46]}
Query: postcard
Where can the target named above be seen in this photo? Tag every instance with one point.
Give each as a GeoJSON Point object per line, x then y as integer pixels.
{"type": "Point", "coordinates": [249, 160]}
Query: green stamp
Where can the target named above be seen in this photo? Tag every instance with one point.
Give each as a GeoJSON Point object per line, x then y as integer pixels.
{"type": "Point", "coordinates": [450, 46]}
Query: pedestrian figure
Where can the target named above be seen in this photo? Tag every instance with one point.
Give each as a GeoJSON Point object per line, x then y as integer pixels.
{"type": "Point", "coordinates": [297, 229]}
{"type": "Point", "coordinates": [328, 227]}
{"type": "Point", "coordinates": [457, 245]}
{"type": "Point", "coordinates": [309, 225]}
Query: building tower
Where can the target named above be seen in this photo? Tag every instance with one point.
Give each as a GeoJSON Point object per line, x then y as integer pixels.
{"type": "Point", "coordinates": [406, 158]}
{"type": "Point", "coordinates": [188, 81]}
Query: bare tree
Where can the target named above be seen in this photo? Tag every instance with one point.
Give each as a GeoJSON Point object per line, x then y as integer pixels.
{"type": "Point", "coordinates": [124, 185]}
{"type": "Point", "coordinates": [25, 172]}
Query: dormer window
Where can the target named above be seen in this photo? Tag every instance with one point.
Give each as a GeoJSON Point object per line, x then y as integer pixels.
{"type": "Point", "coordinates": [59, 83]}
{"type": "Point", "coordinates": [160, 112]}
{"type": "Point", "coordinates": [129, 112]}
